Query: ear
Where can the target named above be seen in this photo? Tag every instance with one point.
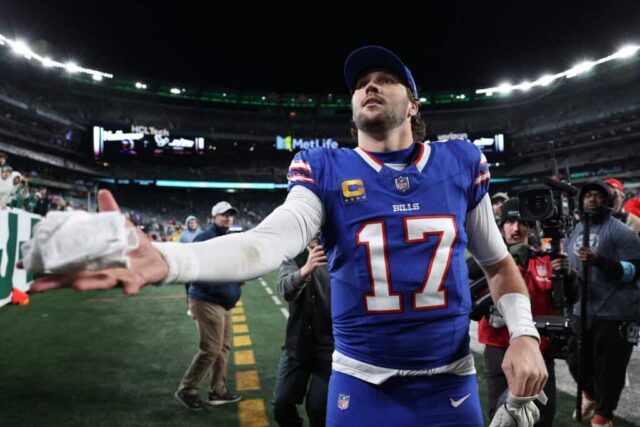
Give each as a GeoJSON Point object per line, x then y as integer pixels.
{"type": "Point", "coordinates": [414, 106]}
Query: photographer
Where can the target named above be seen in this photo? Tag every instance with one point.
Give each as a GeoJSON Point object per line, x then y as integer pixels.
{"type": "Point", "coordinates": [612, 262]}
{"type": "Point", "coordinates": [536, 268]}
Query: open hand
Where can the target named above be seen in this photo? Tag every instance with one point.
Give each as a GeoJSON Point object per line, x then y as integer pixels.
{"type": "Point", "coordinates": [147, 265]}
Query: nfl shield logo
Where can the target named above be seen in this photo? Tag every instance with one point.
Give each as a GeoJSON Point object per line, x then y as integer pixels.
{"type": "Point", "coordinates": [542, 270]}
{"type": "Point", "coordinates": [402, 183]}
{"type": "Point", "coordinates": [343, 401]}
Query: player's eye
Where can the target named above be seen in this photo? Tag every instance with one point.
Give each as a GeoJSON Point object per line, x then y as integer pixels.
{"type": "Point", "coordinates": [361, 84]}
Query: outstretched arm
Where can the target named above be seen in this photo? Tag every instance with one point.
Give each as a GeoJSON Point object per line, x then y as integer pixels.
{"type": "Point", "coordinates": [242, 256]}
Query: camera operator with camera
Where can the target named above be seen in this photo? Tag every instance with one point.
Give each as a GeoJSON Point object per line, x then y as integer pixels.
{"type": "Point", "coordinates": [535, 266]}
{"type": "Point", "coordinates": [609, 266]}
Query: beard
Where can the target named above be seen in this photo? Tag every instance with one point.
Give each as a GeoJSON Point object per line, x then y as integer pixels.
{"type": "Point", "coordinates": [381, 123]}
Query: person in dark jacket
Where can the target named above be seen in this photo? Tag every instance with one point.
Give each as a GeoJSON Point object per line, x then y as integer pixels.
{"type": "Point", "coordinates": [211, 307]}
{"type": "Point", "coordinates": [305, 362]}
{"type": "Point", "coordinates": [613, 303]}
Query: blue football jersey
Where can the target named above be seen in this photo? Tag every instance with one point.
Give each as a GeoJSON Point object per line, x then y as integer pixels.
{"type": "Point", "coordinates": [395, 243]}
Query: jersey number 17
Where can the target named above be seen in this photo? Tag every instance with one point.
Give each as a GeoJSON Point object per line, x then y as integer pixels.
{"type": "Point", "coordinates": [433, 293]}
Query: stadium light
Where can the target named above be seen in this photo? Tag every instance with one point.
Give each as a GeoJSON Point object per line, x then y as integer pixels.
{"type": "Point", "coordinates": [140, 85]}
{"type": "Point", "coordinates": [96, 77]}
{"type": "Point", "coordinates": [72, 67]}
{"type": "Point", "coordinates": [626, 51]}
{"type": "Point", "coordinates": [524, 86]}
{"type": "Point", "coordinates": [505, 88]}
{"type": "Point", "coordinates": [47, 62]}
{"type": "Point", "coordinates": [20, 48]}
{"type": "Point", "coordinates": [545, 80]}
{"type": "Point", "coordinates": [581, 68]}
{"type": "Point", "coordinates": [175, 91]}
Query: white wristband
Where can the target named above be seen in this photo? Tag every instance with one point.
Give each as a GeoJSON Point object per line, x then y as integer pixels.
{"type": "Point", "coordinates": [516, 310]}
{"type": "Point", "coordinates": [180, 259]}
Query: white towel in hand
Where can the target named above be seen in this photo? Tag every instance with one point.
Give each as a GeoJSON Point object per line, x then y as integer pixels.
{"type": "Point", "coordinates": [70, 241]}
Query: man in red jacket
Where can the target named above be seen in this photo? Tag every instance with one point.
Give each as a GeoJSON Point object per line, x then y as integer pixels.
{"type": "Point", "coordinates": [536, 268]}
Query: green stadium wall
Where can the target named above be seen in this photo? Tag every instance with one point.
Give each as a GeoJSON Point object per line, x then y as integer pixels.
{"type": "Point", "coordinates": [16, 227]}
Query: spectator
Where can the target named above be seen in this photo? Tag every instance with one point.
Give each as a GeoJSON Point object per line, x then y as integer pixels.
{"type": "Point", "coordinates": [7, 187]}
{"type": "Point", "coordinates": [187, 236]}
{"type": "Point", "coordinates": [305, 362]}
{"type": "Point", "coordinates": [619, 212]}
{"type": "Point", "coordinates": [613, 260]}
{"type": "Point", "coordinates": [191, 231]}
{"type": "Point", "coordinates": [211, 307]}
{"type": "Point", "coordinates": [23, 196]}
{"type": "Point", "coordinates": [42, 202]}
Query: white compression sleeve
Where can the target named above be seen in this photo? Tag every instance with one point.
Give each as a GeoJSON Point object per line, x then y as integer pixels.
{"type": "Point", "coordinates": [485, 241]}
{"type": "Point", "coordinates": [243, 256]}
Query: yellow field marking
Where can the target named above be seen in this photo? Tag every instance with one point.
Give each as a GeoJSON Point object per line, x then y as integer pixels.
{"type": "Point", "coordinates": [242, 341]}
{"type": "Point", "coordinates": [247, 380]}
{"type": "Point", "coordinates": [240, 318]}
{"type": "Point", "coordinates": [237, 310]}
{"type": "Point", "coordinates": [239, 304]}
{"type": "Point", "coordinates": [240, 328]}
{"type": "Point", "coordinates": [252, 413]}
{"type": "Point", "coordinates": [244, 357]}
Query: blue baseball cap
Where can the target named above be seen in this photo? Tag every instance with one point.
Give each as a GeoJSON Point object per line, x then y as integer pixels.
{"type": "Point", "coordinates": [369, 57]}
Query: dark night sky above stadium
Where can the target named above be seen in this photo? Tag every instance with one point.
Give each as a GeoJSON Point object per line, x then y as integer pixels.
{"type": "Point", "coordinates": [300, 46]}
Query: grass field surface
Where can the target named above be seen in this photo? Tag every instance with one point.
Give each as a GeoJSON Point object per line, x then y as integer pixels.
{"type": "Point", "coordinates": [104, 359]}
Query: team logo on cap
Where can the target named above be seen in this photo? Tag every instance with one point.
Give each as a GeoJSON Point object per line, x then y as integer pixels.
{"type": "Point", "coordinates": [343, 401]}
{"type": "Point", "coordinates": [402, 183]}
{"type": "Point", "coordinates": [353, 191]}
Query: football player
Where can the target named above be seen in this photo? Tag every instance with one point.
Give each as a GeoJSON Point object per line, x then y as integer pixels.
{"type": "Point", "coordinates": [395, 215]}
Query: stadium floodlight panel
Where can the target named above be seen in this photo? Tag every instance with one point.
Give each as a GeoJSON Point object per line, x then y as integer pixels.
{"type": "Point", "coordinates": [524, 86]}
{"type": "Point", "coordinates": [580, 68]}
{"type": "Point", "coordinates": [505, 88]}
{"type": "Point", "coordinates": [47, 62]}
{"type": "Point", "coordinates": [627, 51]}
{"type": "Point", "coordinates": [175, 91]}
{"type": "Point", "coordinates": [545, 80]}
{"type": "Point", "coordinates": [72, 67]}
{"type": "Point", "coordinates": [20, 48]}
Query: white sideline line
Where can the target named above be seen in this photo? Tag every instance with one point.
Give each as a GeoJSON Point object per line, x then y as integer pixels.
{"type": "Point", "coordinates": [269, 291]}
{"type": "Point", "coordinates": [276, 300]}
{"type": "Point", "coordinates": [285, 312]}
{"type": "Point", "coordinates": [263, 283]}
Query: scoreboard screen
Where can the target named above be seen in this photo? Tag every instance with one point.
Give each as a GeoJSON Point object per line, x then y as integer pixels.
{"type": "Point", "coordinates": [112, 142]}
{"type": "Point", "coordinates": [492, 144]}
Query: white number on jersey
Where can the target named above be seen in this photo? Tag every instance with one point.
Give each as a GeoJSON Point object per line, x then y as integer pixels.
{"type": "Point", "coordinates": [432, 294]}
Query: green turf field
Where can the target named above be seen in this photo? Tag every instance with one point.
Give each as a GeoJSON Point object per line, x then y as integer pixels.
{"type": "Point", "coordinates": [103, 359]}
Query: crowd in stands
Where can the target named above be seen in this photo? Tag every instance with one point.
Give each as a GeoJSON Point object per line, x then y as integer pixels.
{"type": "Point", "coordinates": [16, 192]}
